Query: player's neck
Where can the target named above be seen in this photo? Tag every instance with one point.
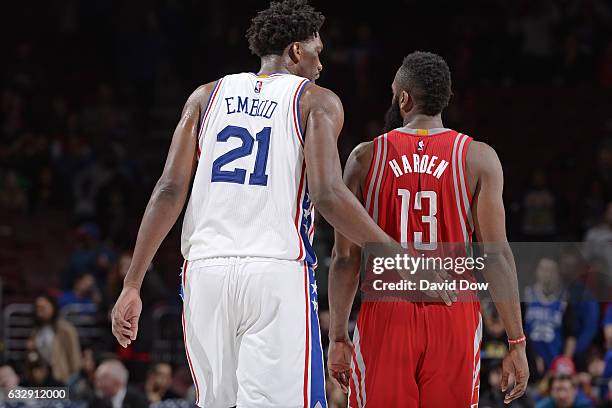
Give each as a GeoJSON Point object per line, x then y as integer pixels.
{"type": "Point", "coordinates": [421, 121]}
{"type": "Point", "coordinates": [272, 64]}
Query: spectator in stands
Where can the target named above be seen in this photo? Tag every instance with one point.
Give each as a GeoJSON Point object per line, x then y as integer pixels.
{"type": "Point", "coordinates": [494, 345]}
{"type": "Point", "coordinates": [598, 239]}
{"type": "Point", "coordinates": [82, 386]}
{"type": "Point", "coordinates": [112, 390]}
{"type": "Point", "coordinates": [55, 339]}
{"type": "Point", "coordinates": [593, 202]}
{"type": "Point", "coordinates": [607, 374]}
{"type": "Point", "coordinates": [584, 303]}
{"type": "Point", "coordinates": [84, 292]}
{"type": "Point", "coordinates": [549, 321]}
{"type": "Point", "coordinates": [607, 326]}
{"type": "Point", "coordinates": [91, 255]}
{"type": "Point", "coordinates": [13, 196]}
{"type": "Point", "coordinates": [536, 28]}
{"type": "Point", "coordinates": [591, 380]}
{"type": "Point", "coordinates": [565, 366]}
{"type": "Point", "coordinates": [9, 380]}
{"type": "Point", "coordinates": [158, 383]}
{"type": "Point", "coordinates": [37, 372]}
{"type": "Point", "coordinates": [563, 394]}
{"type": "Point", "coordinates": [153, 289]}
{"type": "Point", "coordinates": [603, 171]}
{"type": "Point", "coordinates": [539, 204]}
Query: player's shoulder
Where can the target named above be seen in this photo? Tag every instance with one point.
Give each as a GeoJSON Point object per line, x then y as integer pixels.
{"type": "Point", "coordinates": [362, 151]}
{"type": "Point", "coordinates": [202, 93]}
{"type": "Point", "coordinates": [315, 95]}
{"type": "Point", "coordinates": [482, 159]}
{"type": "Point", "coordinates": [480, 151]}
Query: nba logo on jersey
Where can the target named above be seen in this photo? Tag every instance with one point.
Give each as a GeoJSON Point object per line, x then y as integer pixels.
{"type": "Point", "coordinates": [420, 145]}
{"type": "Point", "coordinates": [258, 86]}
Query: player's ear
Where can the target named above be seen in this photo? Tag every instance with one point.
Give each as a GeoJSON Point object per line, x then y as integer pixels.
{"type": "Point", "coordinates": [405, 101]}
{"type": "Point", "coordinates": [295, 52]}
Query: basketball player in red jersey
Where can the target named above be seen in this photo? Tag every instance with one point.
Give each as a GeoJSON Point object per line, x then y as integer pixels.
{"type": "Point", "coordinates": [423, 184]}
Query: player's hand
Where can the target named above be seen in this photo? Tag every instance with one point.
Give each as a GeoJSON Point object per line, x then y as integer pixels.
{"type": "Point", "coordinates": [339, 362]}
{"type": "Point", "coordinates": [439, 277]}
{"type": "Point", "coordinates": [125, 316]}
{"type": "Point", "coordinates": [515, 364]}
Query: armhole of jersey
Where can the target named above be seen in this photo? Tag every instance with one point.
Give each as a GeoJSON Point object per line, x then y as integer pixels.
{"type": "Point", "coordinates": [372, 175]}
{"type": "Point", "coordinates": [464, 169]}
{"type": "Point", "coordinates": [296, 110]}
{"type": "Point", "coordinates": [369, 175]}
{"type": "Point", "coordinates": [209, 104]}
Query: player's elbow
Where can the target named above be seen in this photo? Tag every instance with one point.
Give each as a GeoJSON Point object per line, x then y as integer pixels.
{"type": "Point", "coordinates": [324, 197]}
{"type": "Point", "coordinates": [168, 189]}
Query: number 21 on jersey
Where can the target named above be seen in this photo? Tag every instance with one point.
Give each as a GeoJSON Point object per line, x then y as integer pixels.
{"type": "Point", "coordinates": [258, 177]}
{"type": "Point", "coordinates": [429, 219]}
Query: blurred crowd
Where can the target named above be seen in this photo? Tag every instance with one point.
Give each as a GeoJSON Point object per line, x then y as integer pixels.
{"type": "Point", "coordinates": [89, 95]}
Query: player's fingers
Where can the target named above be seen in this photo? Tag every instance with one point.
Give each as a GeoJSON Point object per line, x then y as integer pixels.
{"type": "Point", "coordinates": [445, 297]}
{"type": "Point", "coordinates": [515, 394]}
{"type": "Point", "coordinates": [134, 325]}
{"type": "Point", "coordinates": [448, 296]}
{"type": "Point", "coordinates": [338, 380]}
{"type": "Point", "coordinates": [124, 341]}
{"type": "Point", "coordinates": [124, 332]}
{"type": "Point", "coordinates": [121, 322]}
{"type": "Point", "coordinates": [504, 380]}
{"type": "Point", "coordinates": [443, 276]}
{"type": "Point", "coordinates": [345, 381]}
{"type": "Point", "coordinates": [120, 335]}
{"type": "Point", "coordinates": [517, 391]}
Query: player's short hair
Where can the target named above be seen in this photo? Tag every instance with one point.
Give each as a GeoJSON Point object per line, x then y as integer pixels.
{"type": "Point", "coordinates": [284, 22]}
{"type": "Point", "coordinates": [426, 77]}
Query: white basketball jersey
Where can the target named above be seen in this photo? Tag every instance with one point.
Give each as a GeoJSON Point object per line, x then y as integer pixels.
{"type": "Point", "coordinates": [250, 195]}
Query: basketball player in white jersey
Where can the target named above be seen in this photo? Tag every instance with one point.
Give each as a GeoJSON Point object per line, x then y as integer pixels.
{"type": "Point", "coordinates": [263, 148]}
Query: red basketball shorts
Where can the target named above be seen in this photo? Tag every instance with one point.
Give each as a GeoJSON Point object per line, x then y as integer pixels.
{"type": "Point", "coordinates": [410, 355]}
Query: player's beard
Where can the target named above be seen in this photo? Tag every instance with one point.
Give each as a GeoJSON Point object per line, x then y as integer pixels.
{"type": "Point", "coordinates": [393, 118]}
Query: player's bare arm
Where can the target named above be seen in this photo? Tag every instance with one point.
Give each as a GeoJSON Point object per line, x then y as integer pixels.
{"type": "Point", "coordinates": [344, 274]}
{"type": "Point", "coordinates": [163, 209]}
{"type": "Point", "coordinates": [324, 117]}
{"type": "Point", "coordinates": [486, 176]}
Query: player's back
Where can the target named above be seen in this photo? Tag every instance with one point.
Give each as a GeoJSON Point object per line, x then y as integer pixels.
{"type": "Point", "coordinates": [249, 195]}
{"type": "Point", "coordinates": [416, 188]}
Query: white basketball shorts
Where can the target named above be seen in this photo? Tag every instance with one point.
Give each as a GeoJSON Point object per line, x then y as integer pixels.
{"type": "Point", "coordinates": [252, 334]}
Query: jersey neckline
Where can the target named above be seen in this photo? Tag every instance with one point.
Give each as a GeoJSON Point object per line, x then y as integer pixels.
{"type": "Point", "coordinates": [272, 75]}
{"type": "Point", "coordinates": [423, 132]}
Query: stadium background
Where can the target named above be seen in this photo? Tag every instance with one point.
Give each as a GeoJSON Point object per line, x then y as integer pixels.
{"type": "Point", "coordinates": [90, 93]}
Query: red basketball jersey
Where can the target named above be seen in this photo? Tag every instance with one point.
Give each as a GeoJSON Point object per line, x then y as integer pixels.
{"type": "Point", "coordinates": [416, 188]}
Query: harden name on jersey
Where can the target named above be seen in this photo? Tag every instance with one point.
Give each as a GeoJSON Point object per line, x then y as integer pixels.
{"type": "Point", "coordinates": [420, 164]}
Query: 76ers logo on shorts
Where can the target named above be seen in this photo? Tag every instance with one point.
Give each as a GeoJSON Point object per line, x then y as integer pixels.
{"type": "Point", "coordinates": [258, 86]}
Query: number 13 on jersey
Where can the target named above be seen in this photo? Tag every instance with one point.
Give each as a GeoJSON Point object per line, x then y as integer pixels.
{"type": "Point", "coordinates": [429, 219]}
